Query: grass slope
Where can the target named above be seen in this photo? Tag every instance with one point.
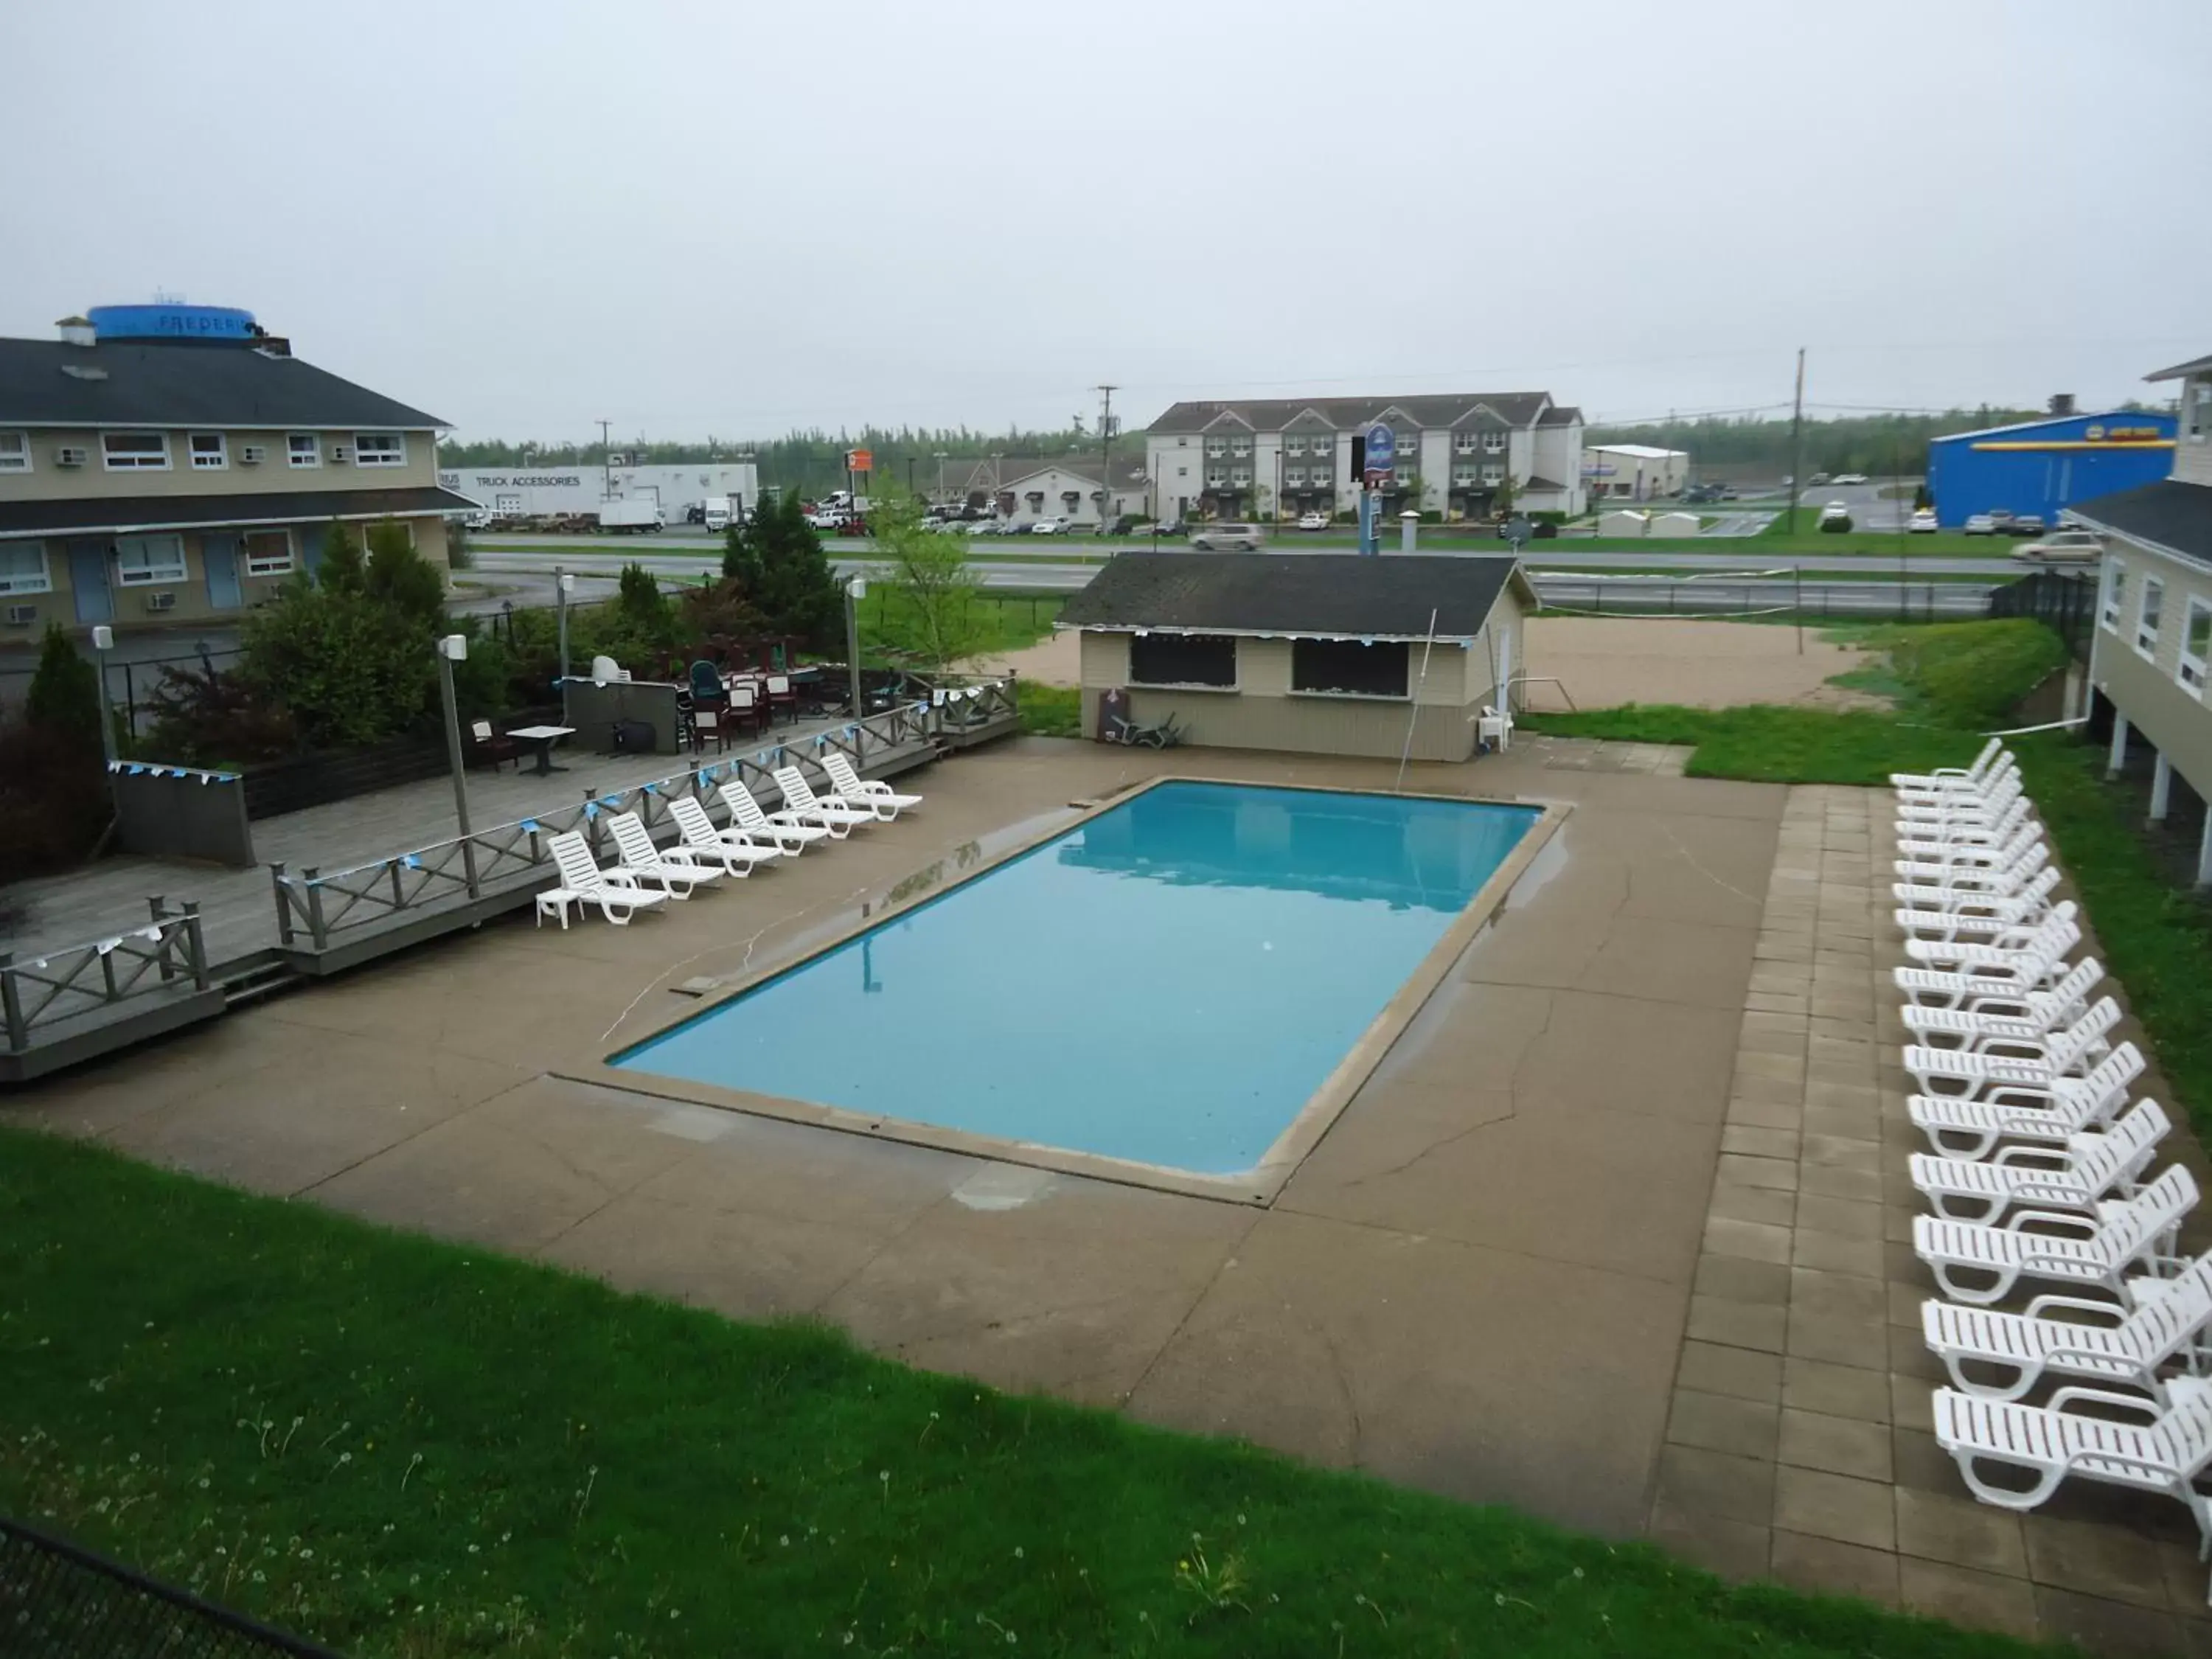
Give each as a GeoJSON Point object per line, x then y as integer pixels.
{"type": "Point", "coordinates": [404, 1447]}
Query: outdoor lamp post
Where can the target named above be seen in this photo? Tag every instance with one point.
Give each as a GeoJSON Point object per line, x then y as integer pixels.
{"type": "Point", "coordinates": [564, 585]}
{"type": "Point", "coordinates": [453, 648]}
{"type": "Point", "coordinates": [855, 591]}
{"type": "Point", "coordinates": [103, 642]}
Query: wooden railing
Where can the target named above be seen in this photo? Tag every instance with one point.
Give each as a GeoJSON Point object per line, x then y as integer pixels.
{"type": "Point", "coordinates": [76, 980]}
{"type": "Point", "coordinates": [314, 905]}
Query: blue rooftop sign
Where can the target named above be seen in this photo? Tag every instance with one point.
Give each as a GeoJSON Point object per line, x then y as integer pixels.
{"type": "Point", "coordinates": [171, 322]}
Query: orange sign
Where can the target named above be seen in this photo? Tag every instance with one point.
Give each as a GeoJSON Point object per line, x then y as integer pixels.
{"type": "Point", "coordinates": [859, 460]}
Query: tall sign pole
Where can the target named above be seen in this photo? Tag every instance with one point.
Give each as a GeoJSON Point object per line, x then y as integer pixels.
{"type": "Point", "coordinates": [1381, 445]}
{"type": "Point", "coordinates": [1797, 447]}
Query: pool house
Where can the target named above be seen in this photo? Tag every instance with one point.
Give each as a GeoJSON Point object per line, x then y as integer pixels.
{"type": "Point", "coordinates": [1309, 653]}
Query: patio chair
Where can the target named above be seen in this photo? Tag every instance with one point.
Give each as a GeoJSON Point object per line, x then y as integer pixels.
{"type": "Point", "coordinates": [872, 794]}
{"type": "Point", "coordinates": [747, 709]}
{"type": "Point", "coordinates": [490, 747]}
{"type": "Point", "coordinates": [1948, 843]}
{"type": "Point", "coordinates": [2023, 891]}
{"type": "Point", "coordinates": [781, 699]}
{"type": "Point", "coordinates": [1959, 806]}
{"type": "Point", "coordinates": [706, 728]}
{"type": "Point", "coordinates": [2097, 1250]}
{"type": "Point", "coordinates": [2006, 1061]}
{"type": "Point", "coordinates": [582, 882]}
{"type": "Point", "coordinates": [750, 819]}
{"type": "Point", "coordinates": [1993, 941]}
{"type": "Point", "coordinates": [2041, 969]}
{"type": "Point", "coordinates": [1953, 777]}
{"type": "Point", "coordinates": [672, 872]}
{"type": "Point", "coordinates": [2056, 1002]}
{"type": "Point", "coordinates": [705, 844]}
{"type": "Point", "coordinates": [2165, 1322]}
{"type": "Point", "coordinates": [2166, 1451]}
{"type": "Point", "coordinates": [2055, 1113]}
{"type": "Point", "coordinates": [2090, 1168]}
{"type": "Point", "coordinates": [799, 797]}
{"type": "Point", "coordinates": [1978, 916]}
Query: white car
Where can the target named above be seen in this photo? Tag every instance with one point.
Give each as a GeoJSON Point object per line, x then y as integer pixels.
{"type": "Point", "coordinates": [1048, 527]}
{"type": "Point", "coordinates": [1834, 510]}
{"type": "Point", "coordinates": [1313, 520]}
{"type": "Point", "coordinates": [2062, 547]}
{"type": "Point", "coordinates": [1922, 522]}
{"type": "Point", "coordinates": [1849, 478]}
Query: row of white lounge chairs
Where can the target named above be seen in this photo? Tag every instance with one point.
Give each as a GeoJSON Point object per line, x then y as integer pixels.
{"type": "Point", "coordinates": [646, 876]}
{"type": "Point", "coordinates": [2039, 1174]}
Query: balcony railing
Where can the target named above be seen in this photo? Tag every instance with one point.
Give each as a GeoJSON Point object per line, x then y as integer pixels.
{"type": "Point", "coordinates": [135, 965]}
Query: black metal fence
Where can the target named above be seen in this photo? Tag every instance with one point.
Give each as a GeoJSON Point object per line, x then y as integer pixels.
{"type": "Point", "coordinates": [2064, 600]}
{"type": "Point", "coordinates": [58, 1600]}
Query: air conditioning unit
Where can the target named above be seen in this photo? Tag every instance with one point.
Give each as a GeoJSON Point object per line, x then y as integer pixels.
{"type": "Point", "coordinates": [70, 455]}
{"type": "Point", "coordinates": [252, 454]}
{"type": "Point", "coordinates": [22, 616]}
{"type": "Point", "coordinates": [340, 454]}
{"type": "Point", "coordinates": [161, 602]}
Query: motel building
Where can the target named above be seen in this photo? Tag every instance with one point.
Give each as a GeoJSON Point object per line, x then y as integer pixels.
{"type": "Point", "coordinates": [1309, 653]}
{"type": "Point", "coordinates": [168, 462]}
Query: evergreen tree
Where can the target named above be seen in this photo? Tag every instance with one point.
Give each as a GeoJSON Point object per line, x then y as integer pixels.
{"type": "Point", "coordinates": [779, 562]}
{"type": "Point", "coordinates": [64, 695]}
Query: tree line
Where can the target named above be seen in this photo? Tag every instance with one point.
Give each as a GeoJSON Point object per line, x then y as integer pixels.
{"type": "Point", "coordinates": [1875, 444]}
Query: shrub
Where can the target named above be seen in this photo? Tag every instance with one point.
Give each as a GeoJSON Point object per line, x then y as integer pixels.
{"type": "Point", "coordinates": [1972, 674]}
{"type": "Point", "coordinates": [211, 718]}
{"type": "Point", "coordinates": [1838, 524]}
{"type": "Point", "coordinates": [1050, 711]}
{"type": "Point", "coordinates": [64, 695]}
{"type": "Point", "coordinates": [53, 797]}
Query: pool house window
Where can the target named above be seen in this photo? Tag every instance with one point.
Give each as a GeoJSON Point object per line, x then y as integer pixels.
{"type": "Point", "coordinates": [1350, 668]}
{"type": "Point", "coordinates": [2116, 594]}
{"type": "Point", "coordinates": [2196, 644]}
{"type": "Point", "coordinates": [1207, 659]}
{"type": "Point", "coordinates": [2148, 619]}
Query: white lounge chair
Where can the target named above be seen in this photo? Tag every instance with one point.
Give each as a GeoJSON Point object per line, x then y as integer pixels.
{"type": "Point", "coordinates": [2098, 1248]}
{"type": "Point", "coordinates": [799, 797]}
{"type": "Point", "coordinates": [1993, 994]}
{"type": "Point", "coordinates": [704, 844]}
{"type": "Point", "coordinates": [2003, 1062]}
{"type": "Point", "coordinates": [1953, 777]}
{"type": "Point", "coordinates": [582, 882]}
{"type": "Point", "coordinates": [750, 819]}
{"type": "Point", "coordinates": [2090, 1168]}
{"type": "Point", "coordinates": [2008, 1014]}
{"type": "Point", "coordinates": [2031, 877]}
{"type": "Point", "coordinates": [1992, 847]}
{"type": "Point", "coordinates": [872, 794]}
{"type": "Point", "coordinates": [1978, 945]}
{"type": "Point", "coordinates": [1969, 1128]}
{"type": "Point", "coordinates": [674, 872]}
{"type": "Point", "coordinates": [2131, 1345]}
{"type": "Point", "coordinates": [1959, 805]}
{"type": "Point", "coordinates": [2166, 1452]}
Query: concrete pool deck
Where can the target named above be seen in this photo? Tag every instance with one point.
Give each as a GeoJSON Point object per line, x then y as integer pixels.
{"type": "Point", "coordinates": [1500, 1275]}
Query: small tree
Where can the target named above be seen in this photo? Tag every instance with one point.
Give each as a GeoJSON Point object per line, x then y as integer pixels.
{"type": "Point", "coordinates": [64, 696]}
{"type": "Point", "coordinates": [1501, 499]}
{"type": "Point", "coordinates": [931, 612]}
{"type": "Point", "coordinates": [780, 563]}
{"type": "Point", "coordinates": [397, 575]}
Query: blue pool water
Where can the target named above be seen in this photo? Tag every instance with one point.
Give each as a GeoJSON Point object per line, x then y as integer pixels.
{"type": "Point", "coordinates": [1168, 982]}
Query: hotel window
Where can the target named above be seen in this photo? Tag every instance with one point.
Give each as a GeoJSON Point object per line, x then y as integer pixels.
{"type": "Point", "coordinates": [136, 452]}
{"type": "Point", "coordinates": [142, 561]}
{"type": "Point", "coordinates": [1216, 447]}
{"type": "Point", "coordinates": [1294, 476]}
{"type": "Point", "coordinates": [1241, 477]}
{"type": "Point", "coordinates": [1295, 444]}
{"type": "Point", "coordinates": [304, 449]}
{"type": "Point", "coordinates": [1493, 443]}
{"type": "Point", "coordinates": [1323, 443]}
{"type": "Point", "coordinates": [2116, 594]}
{"type": "Point", "coordinates": [23, 567]}
{"type": "Point", "coordinates": [1183, 659]}
{"type": "Point", "coordinates": [210, 452]}
{"type": "Point", "coordinates": [1216, 478]}
{"type": "Point", "coordinates": [15, 452]}
{"type": "Point", "coordinates": [1349, 667]}
{"type": "Point", "coordinates": [379, 449]}
{"type": "Point", "coordinates": [269, 553]}
{"type": "Point", "coordinates": [2147, 620]}
{"type": "Point", "coordinates": [1240, 446]}
{"type": "Point", "coordinates": [2196, 644]}
{"type": "Point", "coordinates": [1494, 473]}
{"type": "Point", "coordinates": [1463, 443]}
{"type": "Point", "coordinates": [1463, 475]}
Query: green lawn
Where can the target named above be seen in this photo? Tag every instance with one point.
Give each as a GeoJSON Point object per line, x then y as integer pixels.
{"type": "Point", "coordinates": [1051, 711]}
{"type": "Point", "coordinates": [402, 1447]}
{"type": "Point", "coordinates": [1007, 622]}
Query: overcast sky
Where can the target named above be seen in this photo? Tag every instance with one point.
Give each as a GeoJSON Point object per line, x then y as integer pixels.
{"type": "Point", "coordinates": [738, 218]}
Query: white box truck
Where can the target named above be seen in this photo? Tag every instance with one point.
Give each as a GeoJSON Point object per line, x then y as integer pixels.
{"type": "Point", "coordinates": [631, 516]}
{"type": "Point", "coordinates": [721, 512]}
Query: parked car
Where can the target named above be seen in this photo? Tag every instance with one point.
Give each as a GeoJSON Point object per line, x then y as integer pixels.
{"type": "Point", "coordinates": [2062, 547]}
{"type": "Point", "coordinates": [1819, 479]}
{"type": "Point", "coordinates": [2002, 518]}
{"type": "Point", "coordinates": [1849, 478]}
{"type": "Point", "coordinates": [1227, 538]}
{"type": "Point", "coordinates": [2026, 524]}
{"type": "Point", "coordinates": [1047, 526]}
{"type": "Point", "coordinates": [1313, 520]}
{"type": "Point", "coordinates": [1980, 524]}
{"type": "Point", "coordinates": [1170, 527]}
{"type": "Point", "coordinates": [1834, 510]}
{"type": "Point", "coordinates": [1922, 521]}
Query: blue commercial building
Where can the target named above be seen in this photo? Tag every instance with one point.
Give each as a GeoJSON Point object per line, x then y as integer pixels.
{"type": "Point", "coordinates": [2046, 466]}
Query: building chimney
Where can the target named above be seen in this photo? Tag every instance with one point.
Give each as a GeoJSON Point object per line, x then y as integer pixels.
{"type": "Point", "coordinates": [2062, 402]}
{"type": "Point", "coordinates": [76, 331]}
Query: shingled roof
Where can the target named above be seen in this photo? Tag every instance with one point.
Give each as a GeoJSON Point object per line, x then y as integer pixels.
{"type": "Point", "coordinates": [1316, 595]}
{"type": "Point", "coordinates": [2169, 514]}
{"type": "Point", "coordinates": [1430, 409]}
{"type": "Point", "coordinates": [151, 383]}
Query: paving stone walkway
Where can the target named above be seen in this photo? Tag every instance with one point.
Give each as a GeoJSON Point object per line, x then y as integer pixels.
{"type": "Point", "coordinates": [1800, 1444]}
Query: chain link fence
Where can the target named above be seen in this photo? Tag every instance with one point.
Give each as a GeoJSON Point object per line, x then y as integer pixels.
{"type": "Point", "coordinates": [59, 1600]}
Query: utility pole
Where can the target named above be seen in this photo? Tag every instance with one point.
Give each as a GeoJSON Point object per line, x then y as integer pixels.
{"type": "Point", "coordinates": [606, 464]}
{"type": "Point", "coordinates": [1797, 447]}
{"type": "Point", "coordinates": [1106, 457]}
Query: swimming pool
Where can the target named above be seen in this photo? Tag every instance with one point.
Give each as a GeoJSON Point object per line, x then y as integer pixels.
{"type": "Point", "coordinates": [1168, 983]}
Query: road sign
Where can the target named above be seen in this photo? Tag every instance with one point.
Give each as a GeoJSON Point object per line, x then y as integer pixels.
{"type": "Point", "coordinates": [1381, 453]}
{"type": "Point", "coordinates": [858, 460]}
